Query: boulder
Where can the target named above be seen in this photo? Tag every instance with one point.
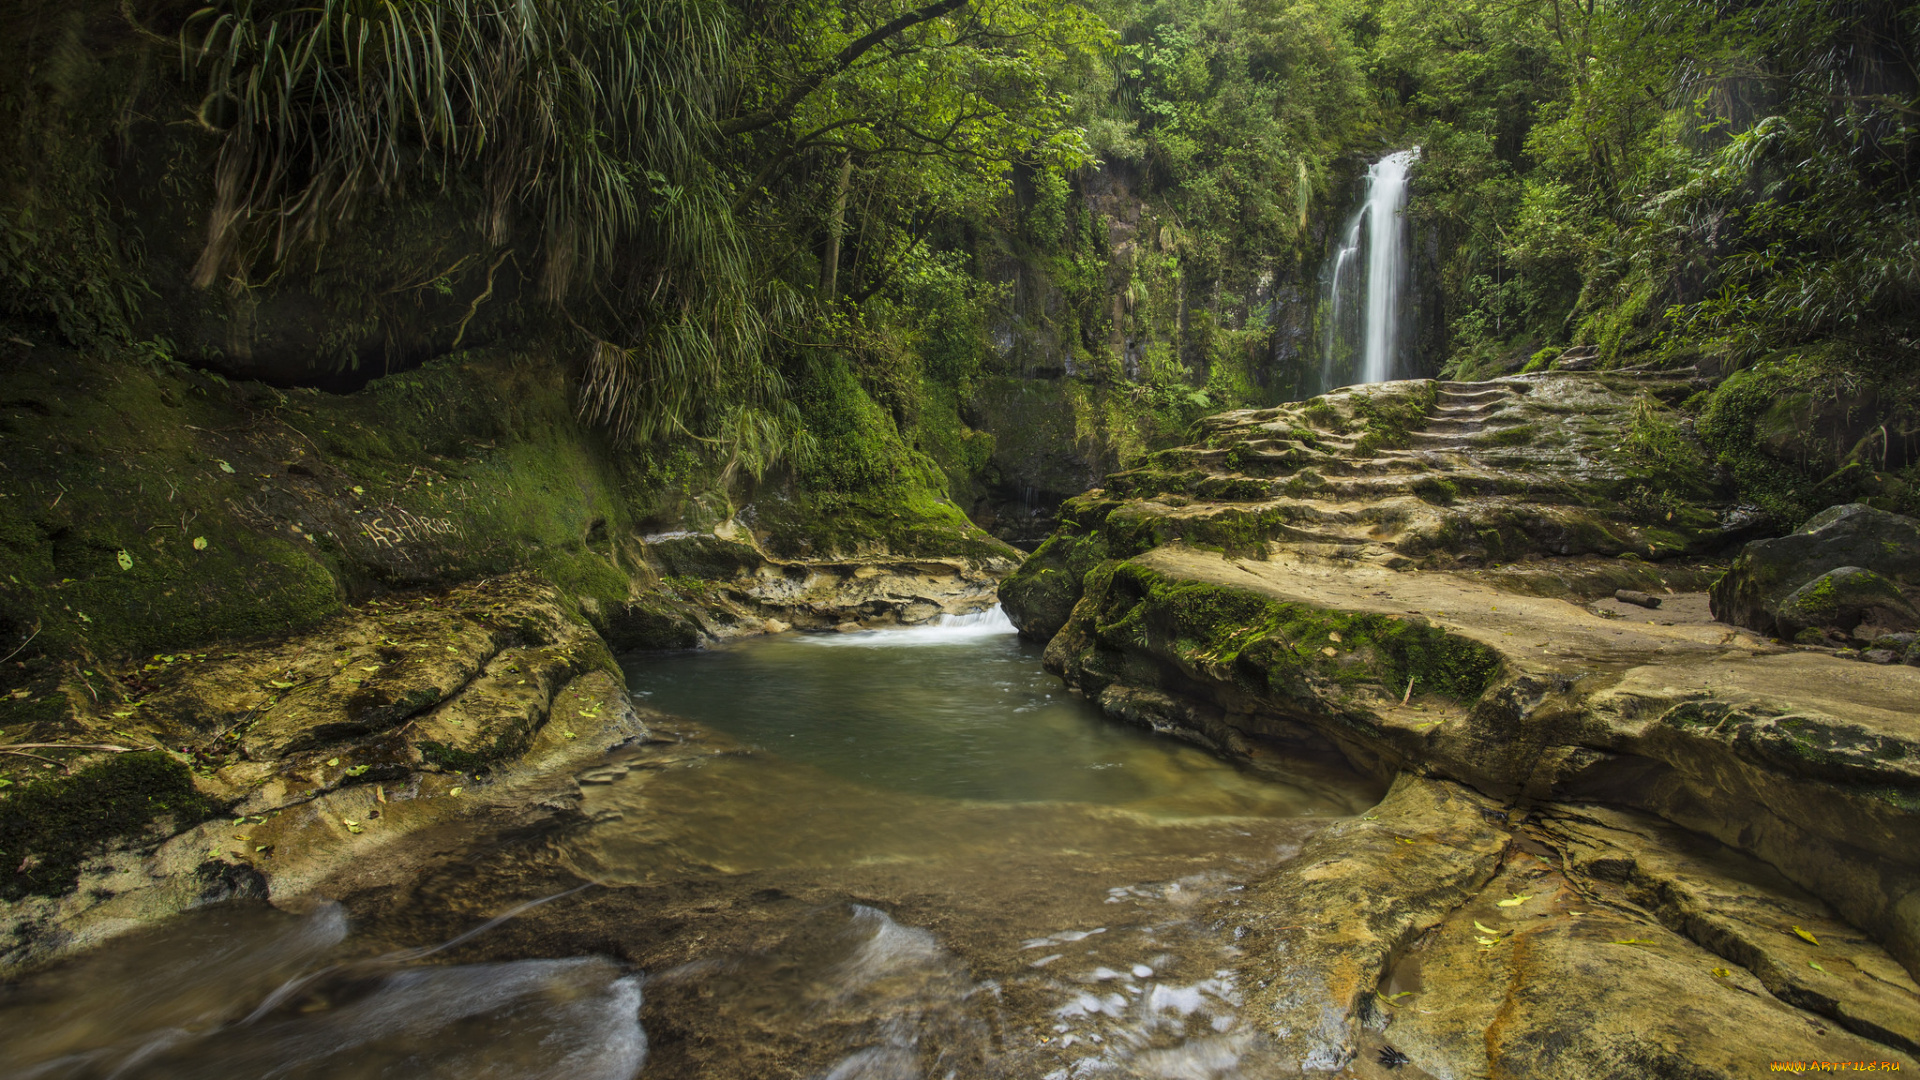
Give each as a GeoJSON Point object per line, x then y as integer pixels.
{"type": "Point", "coordinates": [1847, 600]}
{"type": "Point", "coordinates": [1782, 586]}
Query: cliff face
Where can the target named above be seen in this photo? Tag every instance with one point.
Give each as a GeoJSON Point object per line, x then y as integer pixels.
{"type": "Point", "coordinates": [1425, 579]}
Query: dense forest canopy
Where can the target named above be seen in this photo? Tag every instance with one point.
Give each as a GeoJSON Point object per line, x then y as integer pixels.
{"type": "Point", "coordinates": [799, 233]}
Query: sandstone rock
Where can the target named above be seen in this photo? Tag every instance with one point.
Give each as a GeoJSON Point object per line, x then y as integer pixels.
{"type": "Point", "coordinates": [336, 744]}
{"type": "Point", "coordinates": [1423, 609]}
{"type": "Point", "coordinates": [1405, 475]}
{"type": "Point", "coordinates": [1321, 929]}
{"type": "Point", "coordinates": [1768, 572]}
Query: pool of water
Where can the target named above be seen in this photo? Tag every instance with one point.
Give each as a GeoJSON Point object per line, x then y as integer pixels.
{"type": "Point", "coordinates": [888, 855]}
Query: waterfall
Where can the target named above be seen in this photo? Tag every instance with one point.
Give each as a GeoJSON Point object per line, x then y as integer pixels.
{"type": "Point", "coordinates": [1362, 328]}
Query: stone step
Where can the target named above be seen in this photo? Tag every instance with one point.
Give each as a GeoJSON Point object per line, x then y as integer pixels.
{"type": "Point", "coordinates": [1476, 390]}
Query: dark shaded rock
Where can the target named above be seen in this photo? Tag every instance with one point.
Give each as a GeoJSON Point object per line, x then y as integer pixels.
{"type": "Point", "coordinates": [1633, 596]}
{"type": "Point", "coordinates": [1768, 572]}
{"type": "Point", "coordinates": [651, 622]}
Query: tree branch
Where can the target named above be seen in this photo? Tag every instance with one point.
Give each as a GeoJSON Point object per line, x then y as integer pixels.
{"type": "Point", "coordinates": [741, 125]}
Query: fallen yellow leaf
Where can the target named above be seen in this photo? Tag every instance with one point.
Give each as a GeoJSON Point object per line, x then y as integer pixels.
{"type": "Point", "coordinates": [1721, 973]}
{"type": "Point", "coordinates": [1516, 900]}
{"type": "Point", "coordinates": [1805, 936]}
{"type": "Point", "coordinates": [1484, 929]}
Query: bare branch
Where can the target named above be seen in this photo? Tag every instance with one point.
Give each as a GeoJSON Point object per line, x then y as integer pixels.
{"type": "Point", "coordinates": [843, 60]}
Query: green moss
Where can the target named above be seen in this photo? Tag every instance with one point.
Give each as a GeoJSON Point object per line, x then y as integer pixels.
{"type": "Point", "coordinates": [1277, 647]}
{"type": "Point", "coordinates": [1518, 435]}
{"type": "Point", "coordinates": [1040, 595]}
{"type": "Point", "coordinates": [1437, 490]}
{"type": "Point", "coordinates": [1388, 417]}
{"type": "Point", "coordinates": [1322, 415]}
{"type": "Point", "coordinates": [451, 758]}
{"type": "Point", "coordinates": [49, 827]}
{"type": "Point", "coordinates": [468, 468]}
{"type": "Point", "coordinates": [1232, 489]}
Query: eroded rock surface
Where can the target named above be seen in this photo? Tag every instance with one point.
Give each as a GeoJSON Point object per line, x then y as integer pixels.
{"type": "Point", "coordinates": [1421, 578]}
{"type": "Point", "coordinates": [326, 747]}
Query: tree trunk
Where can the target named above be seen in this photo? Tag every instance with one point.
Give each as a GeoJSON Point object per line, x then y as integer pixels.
{"type": "Point", "coordinates": [836, 226]}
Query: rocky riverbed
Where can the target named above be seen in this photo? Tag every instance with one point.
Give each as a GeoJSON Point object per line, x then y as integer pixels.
{"type": "Point", "coordinates": [1621, 835]}
{"type": "Point", "coordinates": [1649, 786]}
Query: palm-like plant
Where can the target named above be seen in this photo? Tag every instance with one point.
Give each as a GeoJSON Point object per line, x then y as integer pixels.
{"type": "Point", "coordinates": [586, 125]}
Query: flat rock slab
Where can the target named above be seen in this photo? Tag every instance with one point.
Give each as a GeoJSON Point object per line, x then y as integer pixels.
{"type": "Point", "coordinates": [1810, 761]}
{"type": "Point", "coordinates": [1479, 940]}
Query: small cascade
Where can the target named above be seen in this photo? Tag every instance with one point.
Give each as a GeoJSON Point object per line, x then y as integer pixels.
{"type": "Point", "coordinates": [943, 630]}
{"type": "Point", "coordinates": [1365, 277]}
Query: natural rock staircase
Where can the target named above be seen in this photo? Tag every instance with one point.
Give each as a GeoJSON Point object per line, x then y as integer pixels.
{"type": "Point", "coordinates": [1448, 475]}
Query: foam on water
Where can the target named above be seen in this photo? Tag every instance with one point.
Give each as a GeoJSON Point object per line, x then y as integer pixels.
{"type": "Point", "coordinates": [254, 994]}
{"type": "Point", "coordinates": [945, 630]}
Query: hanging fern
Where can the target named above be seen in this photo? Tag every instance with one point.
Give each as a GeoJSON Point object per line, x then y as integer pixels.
{"type": "Point", "coordinates": [587, 126]}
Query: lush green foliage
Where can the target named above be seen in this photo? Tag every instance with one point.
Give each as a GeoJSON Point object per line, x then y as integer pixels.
{"type": "Point", "coordinates": [811, 231]}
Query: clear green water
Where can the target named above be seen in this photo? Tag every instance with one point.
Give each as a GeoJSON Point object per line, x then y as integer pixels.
{"type": "Point", "coordinates": [895, 855]}
{"type": "Point", "coordinates": [960, 712]}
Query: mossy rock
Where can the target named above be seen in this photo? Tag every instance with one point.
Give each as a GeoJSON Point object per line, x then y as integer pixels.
{"type": "Point", "coordinates": [1767, 572]}
{"type": "Point", "coordinates": [1842, 600]}
{"type": "Point", "coordinates": [1278, 648]}
{"type": "Point", "coordinates": [1040, 596]}
{"type": "Point", "coordinates": [651, 623]}
{"type": "Point", "coordinates": [49, 827]}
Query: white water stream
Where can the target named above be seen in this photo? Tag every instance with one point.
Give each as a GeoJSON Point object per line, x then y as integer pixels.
{"type": "Point", "coordinates": [1367, 276]}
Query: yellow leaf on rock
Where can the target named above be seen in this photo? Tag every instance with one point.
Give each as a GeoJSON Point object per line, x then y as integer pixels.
{"type": "Point", "coordinates": [453, 791]}
{"type": "Point", "coordinates": [1815, 966]}
{"type": "Point", "coordinates": [1721, 973]}
{"type": "Point", "coordinates": [1516, 900]}
{"type": "Point", "coordinates": [331, 762]}
{"type": "Point", "coordinates": [1484, 929]}
{"type": "Point", "coordinates": [1805, 936]}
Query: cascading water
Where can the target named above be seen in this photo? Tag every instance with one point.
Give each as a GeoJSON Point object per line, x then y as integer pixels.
{"type": "Point", "coordinates": [1366, 272]}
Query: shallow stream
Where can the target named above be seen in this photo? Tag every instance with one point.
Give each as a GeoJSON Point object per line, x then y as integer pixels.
{"type": "Point", "coordinates": [872, 856]}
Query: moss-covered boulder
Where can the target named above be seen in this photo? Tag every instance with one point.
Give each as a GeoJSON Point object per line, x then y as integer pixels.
{"type": "Point", "coordinates": [1780, 586]}
{"type": "Point", "coordinates": [1848, 601]}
